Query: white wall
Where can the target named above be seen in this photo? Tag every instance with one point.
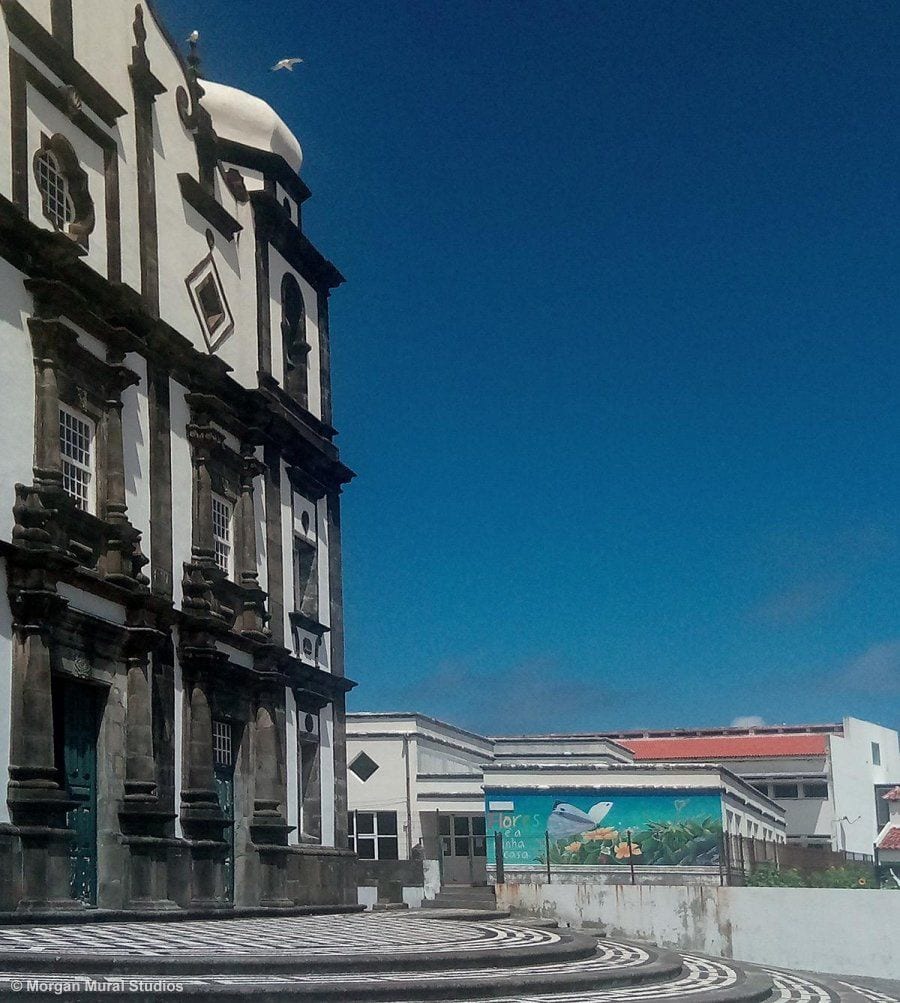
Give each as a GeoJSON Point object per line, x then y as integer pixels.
{"type": "Point", "coordinates": [836, 930]}
{"type": "Point", "coordinates": [136, 440]}
{"type": "Point", "coordinates": [17, 427]}
{"type": "Point", "coordinates": [854, 777]}
{"type": "Point", "coordinates": [182, 486]}
{"type": "Point", "coordinates": [385, 790]}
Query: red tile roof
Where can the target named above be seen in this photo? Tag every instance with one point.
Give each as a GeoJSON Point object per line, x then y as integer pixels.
{"type": "Point", "coordinates": [892, 795]}
{"type": "Point", "coordinates": [890, 840]}
{"type": "Point", "coordinates": [715, 748]}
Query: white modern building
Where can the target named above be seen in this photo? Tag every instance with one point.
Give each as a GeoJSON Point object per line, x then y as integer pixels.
{"type": "Point", "coordinates": [829, 779]}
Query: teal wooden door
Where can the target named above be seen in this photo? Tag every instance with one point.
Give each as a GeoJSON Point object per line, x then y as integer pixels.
{"type": "Point", "coordinates": [79, 753]}
{"type": "Point", "coordinates": [225, 790]}
{"type": "Point", "coordinates": [223, 758]}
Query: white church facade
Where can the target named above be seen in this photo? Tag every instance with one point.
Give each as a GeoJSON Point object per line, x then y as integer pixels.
{"type": "Point", "coordinates": [172, 724]}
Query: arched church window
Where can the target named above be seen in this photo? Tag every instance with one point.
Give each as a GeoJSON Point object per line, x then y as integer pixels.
{"type": "Point", "coordinates": [293, 339]}
{"type": "Point", "coordinates": [63, 186]}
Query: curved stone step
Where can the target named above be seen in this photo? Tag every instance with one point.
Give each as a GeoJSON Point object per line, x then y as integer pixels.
{"type": "Point", "coordinates": [135, 949]}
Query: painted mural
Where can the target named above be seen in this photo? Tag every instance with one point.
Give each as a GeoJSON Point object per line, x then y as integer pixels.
{"type": "Point", "coordinates": [668, 828]}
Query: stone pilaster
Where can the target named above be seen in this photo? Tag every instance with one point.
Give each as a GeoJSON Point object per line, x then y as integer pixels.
{"type": "Point", "coordinates": [252, 616]}
{"type": "Point", "coordinates": [38, 804]}
{"type": "Point", "coordinates": [268, 826]}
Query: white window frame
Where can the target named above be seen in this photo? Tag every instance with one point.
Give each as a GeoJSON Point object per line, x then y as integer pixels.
{"type": "Point", "coordinates": [89, 468]}
{"type": "Point", "coordinates": [374, 836]}
{"type": "Point", "coordinates": [62, 197]}
{"type": "Point", "coordinates": [223, 545]}
{"type": "Point", "coordinates": [223, 743]}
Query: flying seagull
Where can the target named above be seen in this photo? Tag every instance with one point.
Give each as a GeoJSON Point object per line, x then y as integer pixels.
{"type": "Point", "coordinates": [287, 64]}
{"type": "Point", "coordinates": [194, 37]}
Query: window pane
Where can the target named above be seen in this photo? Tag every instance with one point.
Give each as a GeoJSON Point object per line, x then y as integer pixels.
{"type": "Point", "coordinates": [819, 791]}
{"type": "Point", "coordinates": [387, 848]}
{"type": "Point", "coordinates": [446, 846]}
{"type": "Point", "coordinates": [876, 754]}
{"type": "Point", "coordinates": [461, 825]}
{"type": "Point", "coordinates": [479, 848]}
{"type": "Point", "coordinates": [444, 825]}
{"type": "Point", "coordinates": [478, 825]}
{"type": "Point", "coordinates": [762, 788]}
{"type": "Point", "coordinates": [387, 823]}
{"type": "Point", "coordinates": [365, 848]}
{"type": "Point", "coordinates": [365, 822]}
{"type": "Point", "coordinates": [784, 791]}
{"type": "Point", "coordinates": [461, 846]}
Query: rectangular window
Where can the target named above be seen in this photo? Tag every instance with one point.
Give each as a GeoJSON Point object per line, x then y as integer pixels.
{"type": "Point", "coordinates": [221, 520]}
{"type": "Point", "coordinates": [762, 788]}
{"type": "Point", "coordinates": [222, 751]}
{"type": "Point", "coordinates": [784, 791]}
{"type": "Point", "coordinates": [374, 835]}
{"type": "Point", "coordinates": [76, 447]}
{"type": "Point", "coordinates": [818, 792]}
{"type": "Point", "coordinates": [876, 754]}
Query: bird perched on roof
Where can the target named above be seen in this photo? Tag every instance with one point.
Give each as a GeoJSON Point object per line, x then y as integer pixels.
{"type": "Point", "coordinates": [287, 64]}
{"type": "Point", "coordinates": [194, 37]}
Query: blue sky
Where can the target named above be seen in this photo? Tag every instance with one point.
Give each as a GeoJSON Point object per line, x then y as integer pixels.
{"type": "Point", "coordinates": [616, 361]}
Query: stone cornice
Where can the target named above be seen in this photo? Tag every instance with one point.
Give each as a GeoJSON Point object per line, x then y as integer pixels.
{"type": "Point", "coordinates": [273, 225]}
{"type": "Point", "coordinates": [30, 31]}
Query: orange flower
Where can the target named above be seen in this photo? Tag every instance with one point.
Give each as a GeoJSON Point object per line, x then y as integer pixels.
{"type": "Point", "coordinates": [623, 853]}
{"type": "Point", "coordinates": [605, 833]}
{"type": "Point", "coordinates": [573, 847]}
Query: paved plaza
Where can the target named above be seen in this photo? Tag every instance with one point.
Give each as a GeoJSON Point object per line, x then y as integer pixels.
{"type": "Point", "coordinates": [393, 956]}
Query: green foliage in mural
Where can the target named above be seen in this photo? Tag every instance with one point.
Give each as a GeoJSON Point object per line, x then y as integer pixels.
{"type": "Point", "coordinates": [670, 844]}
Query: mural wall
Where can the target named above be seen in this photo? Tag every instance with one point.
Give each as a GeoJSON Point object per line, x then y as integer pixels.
{"type": "Point", "coordinates": [668, 828]}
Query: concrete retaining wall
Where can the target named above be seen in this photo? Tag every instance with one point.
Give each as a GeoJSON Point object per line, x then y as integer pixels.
{"type": "Point", "coordinates": [836, 930]}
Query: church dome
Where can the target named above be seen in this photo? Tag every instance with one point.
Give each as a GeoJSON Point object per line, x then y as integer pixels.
{"type": "Point", "coordinates": [245, 118]}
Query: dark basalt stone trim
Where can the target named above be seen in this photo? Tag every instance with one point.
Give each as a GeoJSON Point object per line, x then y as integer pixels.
{"type": "Point", "coordinates": [273, 224]}
{"type": "Point", "coordinates": [274, 564]}
{"type": "Point", "coordinates": [324, 358]}
{"type": "Point", "coordinates": [263, 311]}
{"type": "Point", "coordinates": [336, 585]}
{"type": "Point", "coordinates": [271, 165]}
{"type": "Point", "coordinates": [212, 211]}
{"type": "Point", "coordinates": [22, 73]}
{"type": "Point", "coordinates": [59, 59]}
{"type": "Point", "coordinates": [146, 183]}
{"type": "Point", "coordinates": [61, 23]}
{"type": "Point", "coordinates": [161, 574]}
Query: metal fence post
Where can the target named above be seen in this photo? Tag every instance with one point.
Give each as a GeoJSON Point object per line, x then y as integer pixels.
{"type": "Point", "coordinates": [547, 845]}
{"type": "Point", "coordinates": [498, 857]}
{"type": "Point", "coordinates": [630, 856]}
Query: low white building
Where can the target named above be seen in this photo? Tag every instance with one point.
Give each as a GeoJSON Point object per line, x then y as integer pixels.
{"type": "Point", "coordinates": [415, 782]}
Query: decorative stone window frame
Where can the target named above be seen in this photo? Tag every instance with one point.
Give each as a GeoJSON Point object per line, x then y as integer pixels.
{"type": "Point", "coordinates": [295, 346]}
{"type": "Point", "coordinates": [61, 151]}
{"type": "Point", "coordinates": [202, 283]}
{"type": "Point", "coordinates": [233, 595]}
{"type": "Point", "coordinates": [68, 376]}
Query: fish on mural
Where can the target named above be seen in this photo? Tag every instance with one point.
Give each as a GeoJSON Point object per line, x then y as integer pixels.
{"type": "Point", "coordinates": [567, 820]}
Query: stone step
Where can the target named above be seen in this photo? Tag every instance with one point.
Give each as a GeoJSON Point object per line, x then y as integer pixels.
{"type": "Point", "coordinates": [393, 957]}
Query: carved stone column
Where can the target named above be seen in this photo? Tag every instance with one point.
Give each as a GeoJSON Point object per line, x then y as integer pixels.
{"type": "Point", "coordinates": [38, 804]}
{"type": "Point", "coordinates": [252, 616]}
{"type": "Point", "coordinates": [201, 816]}
{"type": "Point", "coordinates": [201, 570]}
{"type": "Point", "coordinates": [49, 339]}
{"type": "Point", "coordinates": [143, 821]}
{"type": "Point", "coordinates": [268, 826]}
{"type": "Point", "coordinates": [122, 547]}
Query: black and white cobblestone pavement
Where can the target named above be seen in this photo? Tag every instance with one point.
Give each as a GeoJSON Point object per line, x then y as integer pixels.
{"type": "Point", "coordinates": [389, 957]}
